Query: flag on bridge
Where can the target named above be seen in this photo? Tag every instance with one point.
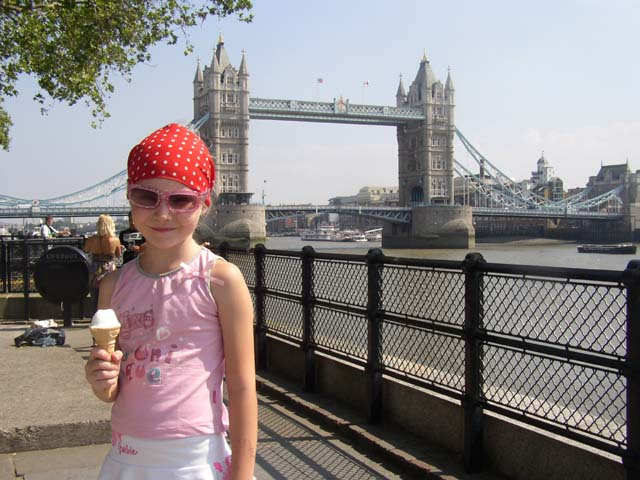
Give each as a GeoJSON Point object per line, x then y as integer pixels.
{"type": "Point", "coordinates": [366, 83]}
{"type": "Point", "coordinates": [320, 80]}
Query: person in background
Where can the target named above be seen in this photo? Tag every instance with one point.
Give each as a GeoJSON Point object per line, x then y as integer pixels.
{"type": "Point", "coordinates": [131, 240]}
{"type": "Point", "coordinates": [187, 325]}
{"type": "Point", "coordinates": [46, 229]}
{"type": "Point", "coordinates": [105, 249]}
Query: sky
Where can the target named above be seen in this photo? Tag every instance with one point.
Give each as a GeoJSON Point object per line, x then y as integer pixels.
{"type": "Point", "coordinates": [559, 76]}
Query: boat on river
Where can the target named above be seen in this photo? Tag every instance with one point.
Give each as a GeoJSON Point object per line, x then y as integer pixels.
{"type": "Point", "coordinates": [330, 233]}
{"type": "Point", "coordinates": [324, 233]}
{"type": "Point", "coordinates": [620, 248]}
{"type": "Point", "coordinates": [374, 235]}
{"type": "Point", "coordinates": [351, 236]}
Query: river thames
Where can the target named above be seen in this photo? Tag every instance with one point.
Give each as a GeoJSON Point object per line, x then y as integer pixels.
{"type": "Point", "coordinates": [522, 252]}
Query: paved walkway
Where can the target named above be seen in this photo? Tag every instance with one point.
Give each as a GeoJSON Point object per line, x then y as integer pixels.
{"type": "Point", "coordinates": [51, 426]}
{"type": "Point", "coordinates": [289, 447]}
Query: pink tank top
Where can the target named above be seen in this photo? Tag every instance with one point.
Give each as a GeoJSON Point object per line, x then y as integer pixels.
{"type": "Point", "coordinates": [171, 373]}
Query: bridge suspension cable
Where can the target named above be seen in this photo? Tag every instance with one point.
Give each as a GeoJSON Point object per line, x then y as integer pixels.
{"type": "Point", "coordinates": [108, 192]}
{"type": "Point", "coordinates": [498, 187]}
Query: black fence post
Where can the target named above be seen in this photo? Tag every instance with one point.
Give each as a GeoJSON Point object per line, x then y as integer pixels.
{"type": "Point", "coordinates": [260, 333]}
{"type": "Point", "coordinates": [308, 301]}
{"type": "Point", "coordinates": [25, 278]}
{"type": "Point", "coordinates": [375, 263]}
{"type": "Point", "coordinates": [631, 461]}
{"type": "Point", "coordinates": [5, 266]}
{"type": "Point", "coordinates": [223, 250]}
{"type": "Point", "coordinates": [473, 416]}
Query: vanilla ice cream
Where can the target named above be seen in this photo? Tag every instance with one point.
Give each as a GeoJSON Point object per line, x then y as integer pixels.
{"type": "Point", "coordinates": [105, 318]}
{"type": "Point", "coordinates": [105, 328]}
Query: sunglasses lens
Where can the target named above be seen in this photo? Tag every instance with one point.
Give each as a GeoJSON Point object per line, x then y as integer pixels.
{"type": "Point", "coordinates": [183, 201]}
{"type": "Point", "coordinates": [143, 198]}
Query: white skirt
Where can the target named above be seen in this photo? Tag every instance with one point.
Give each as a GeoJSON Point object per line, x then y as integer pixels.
{"type": "Point", "coordinates": [204, 457]}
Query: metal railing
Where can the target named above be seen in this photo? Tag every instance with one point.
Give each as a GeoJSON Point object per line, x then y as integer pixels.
{"type": "Point", "coordinates": [17, 262]}
{"type": "Point", "coordinates": [555, 348]}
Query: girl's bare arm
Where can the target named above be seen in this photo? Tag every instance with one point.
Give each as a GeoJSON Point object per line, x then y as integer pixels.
{"type": "Point", "coordinates": [236, 318]}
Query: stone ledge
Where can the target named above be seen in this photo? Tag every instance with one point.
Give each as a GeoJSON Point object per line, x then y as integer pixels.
{"type": "Point", "coordinates": [12, 308]}
{"type": "Point", "coordinates": [45, 437]}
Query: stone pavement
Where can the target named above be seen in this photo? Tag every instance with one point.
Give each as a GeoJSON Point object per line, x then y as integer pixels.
{"type": "Point", "coordinates": [51, 426]}
{"type": "Point", "coordinates": [289, 447]}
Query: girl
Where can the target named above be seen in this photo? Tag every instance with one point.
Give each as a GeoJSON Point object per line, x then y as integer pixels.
{"type": "Point", "coordinates": [187, 320]}
{"type": "Point", "coordinates": [104, 248]}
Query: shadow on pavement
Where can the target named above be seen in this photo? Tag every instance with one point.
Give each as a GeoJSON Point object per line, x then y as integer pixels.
{"type": "Point", "coordinates": [291, 447]}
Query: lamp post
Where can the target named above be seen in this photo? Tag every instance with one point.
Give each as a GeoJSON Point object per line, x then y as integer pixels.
{"type": "Point", "coordinates": [264, 186]}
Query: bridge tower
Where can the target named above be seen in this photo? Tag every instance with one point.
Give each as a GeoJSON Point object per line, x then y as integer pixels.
{"type": "Point", "coordinates": [222, 91]}
{"type": "Point", "coordinates": [425, 149]}
{"type": "Point", "coordinates": [425, 169]}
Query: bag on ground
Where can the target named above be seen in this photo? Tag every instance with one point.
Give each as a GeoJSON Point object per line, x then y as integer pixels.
{"type": "Point", "coordinates": [40, 337]}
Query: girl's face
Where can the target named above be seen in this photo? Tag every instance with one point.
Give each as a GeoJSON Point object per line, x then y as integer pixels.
{"type": "Point", "coordinates": [162, 226]}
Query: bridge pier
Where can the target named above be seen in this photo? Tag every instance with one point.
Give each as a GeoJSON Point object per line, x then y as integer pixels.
{"type": "Point", "coordinates": [241, 226]}
{"type": "Point", "coordinates": [433, 226]}
{"type": "Point", "coordinates": [633, 220]}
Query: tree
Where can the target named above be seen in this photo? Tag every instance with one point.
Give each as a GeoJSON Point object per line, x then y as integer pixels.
{"type": "Point", "coordinates": [74, 47]}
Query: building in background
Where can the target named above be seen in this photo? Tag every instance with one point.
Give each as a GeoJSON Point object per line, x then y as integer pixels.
{"type": "Point", "coordinates": [544, 183]}
{"type": "Point", "coordinates": [369, 196]}
{"type": "Point", "coordinates": [543, 173]}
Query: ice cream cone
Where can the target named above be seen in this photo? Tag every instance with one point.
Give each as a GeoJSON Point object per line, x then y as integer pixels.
{"type": "Point", "coordinates": [106, 337]}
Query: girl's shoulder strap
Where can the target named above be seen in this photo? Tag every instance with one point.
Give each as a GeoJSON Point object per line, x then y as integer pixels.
{"type": "Point", "coordinates": [208, 258]}
{"type": "Point", "coordinates": [211, 260]}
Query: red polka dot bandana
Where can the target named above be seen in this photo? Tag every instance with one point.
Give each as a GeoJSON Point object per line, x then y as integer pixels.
{"type": "Point", "coordinates": [173, 152]}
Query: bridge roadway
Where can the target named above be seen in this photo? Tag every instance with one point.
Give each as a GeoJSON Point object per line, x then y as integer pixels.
{"type": "Point", "coordinates": [403, 215]}
{"type": "Point", "coordinates": [62, 211]}
{"type": "Point", "coordinates": [389, 214]}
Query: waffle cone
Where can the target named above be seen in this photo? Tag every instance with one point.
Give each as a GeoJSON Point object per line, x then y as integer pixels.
{"type": "Point", "coordinates": [106, 337]}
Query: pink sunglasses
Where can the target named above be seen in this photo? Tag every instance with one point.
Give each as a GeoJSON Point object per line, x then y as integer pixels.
{"type": "Point", "coordinates": [183, 201]}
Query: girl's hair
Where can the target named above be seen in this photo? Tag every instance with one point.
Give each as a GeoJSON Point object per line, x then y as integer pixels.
{"type": "Point", "coordinates": [106, 226]}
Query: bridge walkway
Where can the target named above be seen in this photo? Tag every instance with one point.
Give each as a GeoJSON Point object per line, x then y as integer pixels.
{"type": "Point", "coordinates": [51, 426]}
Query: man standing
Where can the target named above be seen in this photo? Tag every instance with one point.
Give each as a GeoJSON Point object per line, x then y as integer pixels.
{"type": "Point", "coordinates": [132, 240]}
{"type": "Point", "coordinates": [46, 229]}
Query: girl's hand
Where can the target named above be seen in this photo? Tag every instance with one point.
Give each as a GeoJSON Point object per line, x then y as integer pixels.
{"type": "Point", "coordinates": [101, 371]}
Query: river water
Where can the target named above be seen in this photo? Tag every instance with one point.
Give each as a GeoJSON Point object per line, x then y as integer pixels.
{"type": "Point", "coordinates": [521, 252]}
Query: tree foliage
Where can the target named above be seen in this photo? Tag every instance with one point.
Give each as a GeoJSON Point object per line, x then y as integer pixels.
{"type": "Point", "coordinates": [73, 48]}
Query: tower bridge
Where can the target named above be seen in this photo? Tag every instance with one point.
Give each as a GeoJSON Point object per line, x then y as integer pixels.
{"type": "Point", "coordinates": [430, 212]}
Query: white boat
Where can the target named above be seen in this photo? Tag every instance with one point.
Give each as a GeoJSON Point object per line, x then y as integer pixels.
{"type": "Point", "coordinates": [324, 233]}
{"type": "Point", "coordinates": [374, 235]}
{"type": "Point", "coordinates": [358, 237]}
{"type": "Point", "coordinates": [352, 236]}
